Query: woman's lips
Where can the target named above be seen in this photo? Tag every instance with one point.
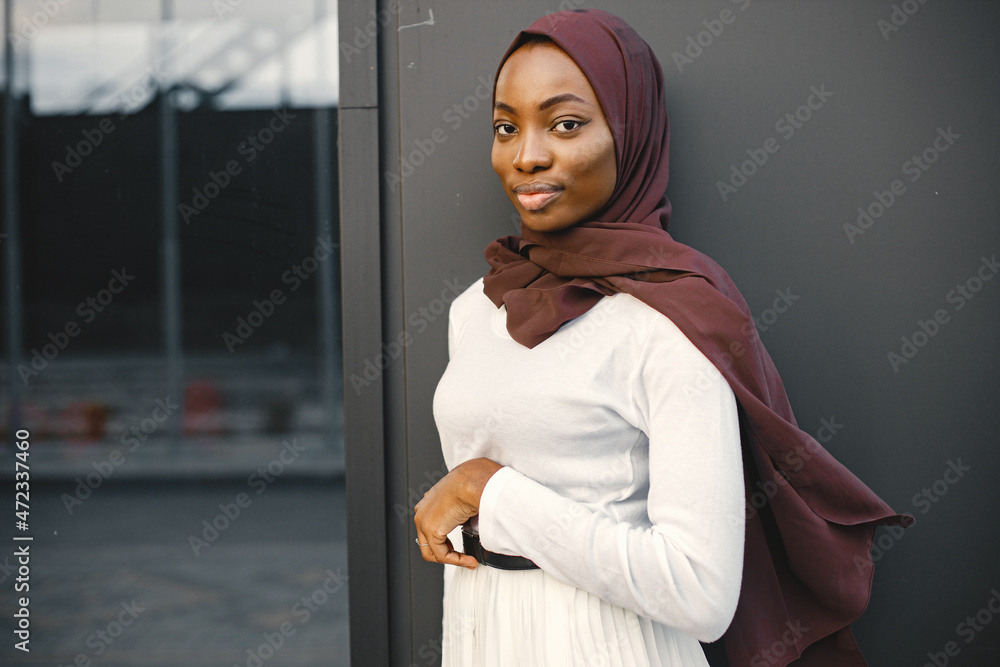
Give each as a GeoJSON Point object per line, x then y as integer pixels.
{"type": "Point", "coordinates": [537, 200]}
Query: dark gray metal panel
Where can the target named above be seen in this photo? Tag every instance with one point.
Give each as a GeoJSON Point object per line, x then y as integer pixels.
{"type": "Point", "coordinates": [364, 442]}
{"type": "Point", "coordinates": [364, 433]}
{"type": "Point", "coordinates": [380, 542]}
{"type": "Point", "coordinates": [400, 532]}
{"type": "Point", "coordinates": [359, 26]}
{"type": "Point", "coordinates": [853, 296]}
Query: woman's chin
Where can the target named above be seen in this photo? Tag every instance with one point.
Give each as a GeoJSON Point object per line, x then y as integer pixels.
{"type": "Point", "coordinates": [545, 223]}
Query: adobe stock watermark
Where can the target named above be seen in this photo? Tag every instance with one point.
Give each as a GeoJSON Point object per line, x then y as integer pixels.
{"type": "Point", "coordinates": [559, 525]}
{"type": "Point", "coordinates": [414, 495]}
{"type": "Point", "coordinates": [125, 103]}
{"type": "Point", "coordinates": [364, 36]}
{"type": "Point", "coordinates": [967, 630]}
{"type": "Point", "coordinates": [958, 297]}
{"type": "Point", "coordinates": [302, 610]}
{"type": "Point", "coordinates": [783, 302]}
{"type": "Point", "coordinates": [217, 181]}
{"type": "Point", "coordinates": [101, 639]}
{"type": "Point", "coordinates": [229, 512]}
{"type": "Point", "coordinates": [452, 628]}
{"type": "Point", "coordinates": [793, 461]}
{"type": "Point", "coordinates": [457, 627]}
{"type": "Point", "coordinates": [7, 569]}
{"type": "Point", "coordinates": [224, 7]}
{"type": "Point", "coordinates": [419, 320]}
{"type": "Point", "coordinates": [607, 652]}
{"type": "Point", "coordinates": [454, 116]}
{"type": "Point", "coordinates": [784, 299]}
{"type": "Point", "coordinates": [131, 438]}
{"type": "Point", "coordinates": [700, 41]}
{"type": "Point", "coordinates": [898, 17]}
{"type": "Point", "coordinates": [566, 5]}
{"type": "Point", "coordinates": [915, 167]}
{"type": "Point", "coordinates": [581, 331]}
{"type": "Point", "coordinates": [75, 153]}
{"type": "Point", "coordinates": [787, 125]}
{"type": "Point", "coordinates": [463, 452]}
{"type": "Point", "coordinates": [144, 89]}
{"type": "Point", "coordinates": [924, 500]}
{"type": "Point", "coordinates": [780, 647]}
{"type": "Point", "coordinates": [31, 23]}
{"type": "Point", "coordinates": [295, 276]}
{"type": "Point", "coordinates": [88, 310]}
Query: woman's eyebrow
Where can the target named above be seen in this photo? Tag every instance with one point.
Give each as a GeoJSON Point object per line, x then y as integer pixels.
{"type": "Point", "coordinates": [552, 101]}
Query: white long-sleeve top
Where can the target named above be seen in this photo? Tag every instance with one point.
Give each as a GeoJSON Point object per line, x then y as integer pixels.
{"type": "Point", "coordinates": [623, 473]}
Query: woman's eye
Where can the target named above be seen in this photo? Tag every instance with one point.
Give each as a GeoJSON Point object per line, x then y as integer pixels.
{"type": "Point", "coordinates": [573, 125]}
{"type": "Point", "coordinates": [503, 129]}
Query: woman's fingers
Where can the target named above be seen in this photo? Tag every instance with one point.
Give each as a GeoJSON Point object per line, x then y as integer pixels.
{"type": "Point", "coordinates": [444, 553]}
{"type": "Point", "coordinates": [446, 506]}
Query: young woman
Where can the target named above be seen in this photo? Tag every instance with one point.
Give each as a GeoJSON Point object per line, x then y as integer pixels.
{"type": "Point", "coordinates": [608, 408]}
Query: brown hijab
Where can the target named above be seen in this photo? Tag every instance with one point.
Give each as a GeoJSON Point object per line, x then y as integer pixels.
{"type": "Point", "coordinates": [807, 563]}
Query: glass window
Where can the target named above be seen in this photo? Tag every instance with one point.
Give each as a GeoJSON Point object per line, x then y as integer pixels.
{"type": "Point", "coordinates": [171, 329]}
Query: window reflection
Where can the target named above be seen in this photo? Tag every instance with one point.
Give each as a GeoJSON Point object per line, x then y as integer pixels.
{"type": "Point", "coordinates": [171, 324]}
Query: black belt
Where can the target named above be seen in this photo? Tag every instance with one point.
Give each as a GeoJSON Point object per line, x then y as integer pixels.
{"type": "Point", "coordinates": [472, 546]}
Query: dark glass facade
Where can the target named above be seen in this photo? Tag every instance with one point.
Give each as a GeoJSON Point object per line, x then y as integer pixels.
{"type": "Point", "coordinates": [171, 329]}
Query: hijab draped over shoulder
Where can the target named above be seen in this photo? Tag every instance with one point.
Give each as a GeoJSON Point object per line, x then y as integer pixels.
{"type": "Point", "coordinates": [807, 560]}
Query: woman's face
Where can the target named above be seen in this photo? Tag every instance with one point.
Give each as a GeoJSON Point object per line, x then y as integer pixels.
{"type": "Point", "coordinates": [552, 147]}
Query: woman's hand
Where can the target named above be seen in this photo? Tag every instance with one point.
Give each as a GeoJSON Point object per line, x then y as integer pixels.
{"type": "Point", "coordinates": [449, 504]}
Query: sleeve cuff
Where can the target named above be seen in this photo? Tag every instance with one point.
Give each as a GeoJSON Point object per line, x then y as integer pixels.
{"type": "Point", "coordinates": [491, 533]}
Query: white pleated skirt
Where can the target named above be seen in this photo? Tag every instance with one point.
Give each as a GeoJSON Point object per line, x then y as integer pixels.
{"type": "Point", "coordinates": [501, 618]}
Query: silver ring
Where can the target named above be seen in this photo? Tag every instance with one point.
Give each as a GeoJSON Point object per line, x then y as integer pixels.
{"type": "Point", "coordinates": [417, 540]}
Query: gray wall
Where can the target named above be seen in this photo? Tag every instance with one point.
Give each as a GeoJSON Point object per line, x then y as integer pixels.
{"type": "Point", "coordinates": [854, 295]}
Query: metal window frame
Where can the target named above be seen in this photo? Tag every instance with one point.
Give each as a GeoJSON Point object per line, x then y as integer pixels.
{"type": "Point", "coordinates": [374, 416]}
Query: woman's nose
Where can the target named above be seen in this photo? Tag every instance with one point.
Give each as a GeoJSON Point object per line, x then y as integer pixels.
{"type": "Point", "coordinates": [533, 153]}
